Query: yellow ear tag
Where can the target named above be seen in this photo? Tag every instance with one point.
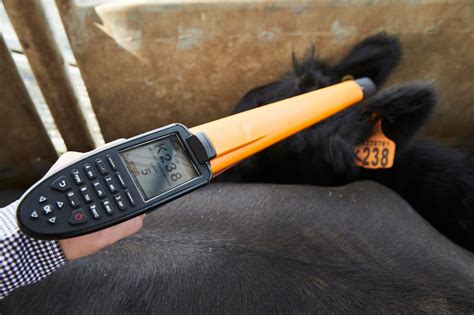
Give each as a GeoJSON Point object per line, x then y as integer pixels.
{"type": "Point", "coordinates": [376, 152]}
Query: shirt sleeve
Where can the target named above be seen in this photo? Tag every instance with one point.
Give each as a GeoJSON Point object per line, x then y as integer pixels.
{"type": "Point", "coordinates": [24, 260]}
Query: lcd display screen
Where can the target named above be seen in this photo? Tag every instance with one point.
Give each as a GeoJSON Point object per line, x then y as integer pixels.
{"type": "Point", "coordinates": [159, 166]}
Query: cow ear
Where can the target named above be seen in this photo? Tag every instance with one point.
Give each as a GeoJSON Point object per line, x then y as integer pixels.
{"type": "Point", "coordinates": [374, 57]}
{"type": "Point", "coordinates": [404, 109]}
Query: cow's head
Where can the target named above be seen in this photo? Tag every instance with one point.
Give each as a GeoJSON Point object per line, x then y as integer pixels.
{"type": "Point", "coordinates": [374, 57]}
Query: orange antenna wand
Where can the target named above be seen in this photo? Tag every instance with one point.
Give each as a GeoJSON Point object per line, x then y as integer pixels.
{"type": "Point", "coordinates": [241, 135]}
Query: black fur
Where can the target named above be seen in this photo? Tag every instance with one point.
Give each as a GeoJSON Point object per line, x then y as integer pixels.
{"type": "Point", "coordinates": [267, 249]}
{"type": "Point", "coordinates": [258, 249]}
{"type": "Point", "coordinates": [437, 181]}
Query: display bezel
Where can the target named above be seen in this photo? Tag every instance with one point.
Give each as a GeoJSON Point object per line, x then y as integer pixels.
{"type": "Point", "coordinates": [135, 180]}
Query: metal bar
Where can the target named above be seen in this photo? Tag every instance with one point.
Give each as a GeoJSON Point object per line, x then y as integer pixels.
{"type": "Point", "coordinates": [31, 26]}
{"type": "Point", "coordinates": [26, 150]}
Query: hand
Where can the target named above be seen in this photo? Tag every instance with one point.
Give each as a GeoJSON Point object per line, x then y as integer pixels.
{"type": "Point", "coordinates": [90, 243]}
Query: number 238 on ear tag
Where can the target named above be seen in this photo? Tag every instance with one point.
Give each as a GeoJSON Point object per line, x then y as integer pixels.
{"type": "Point", "coordinates": [377, 151]}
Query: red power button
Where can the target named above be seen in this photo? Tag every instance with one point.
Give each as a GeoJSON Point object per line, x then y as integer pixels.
{"type": "Point", "coordinates": [77, 217]}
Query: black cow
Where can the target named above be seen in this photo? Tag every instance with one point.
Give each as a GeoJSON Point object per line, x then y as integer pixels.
{"type": "Point", "coordinates": [437, 181]}
{"type": "Point", "coordinates": [266, 249]}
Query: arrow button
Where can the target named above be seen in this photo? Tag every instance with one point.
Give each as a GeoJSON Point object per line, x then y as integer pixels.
{"type": "Point", "coordinates": [52, 220]}
{"type": "Point", "coordinates": [42, 199]}
{"type": "Point", "coordinates": [59, 204]}
{"type": "Point", "coordinates": [34, 215]}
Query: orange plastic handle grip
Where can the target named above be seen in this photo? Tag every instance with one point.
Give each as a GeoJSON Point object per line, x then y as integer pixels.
{"type": "Point", "coordinates": [241, 135]}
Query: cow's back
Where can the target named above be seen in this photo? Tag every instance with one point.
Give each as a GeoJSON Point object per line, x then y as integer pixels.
{"type": "Point", "coordinates": [249, 248]}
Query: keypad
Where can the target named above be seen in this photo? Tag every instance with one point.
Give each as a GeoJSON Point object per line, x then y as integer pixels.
{"type": "Point", "coordinates": [85, 194]}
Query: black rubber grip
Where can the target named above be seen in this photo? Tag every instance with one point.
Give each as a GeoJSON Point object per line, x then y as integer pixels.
{"type": "Point", "coordinates": [367, 86]}
{"type": "Point", "coordinates": [202, 147]}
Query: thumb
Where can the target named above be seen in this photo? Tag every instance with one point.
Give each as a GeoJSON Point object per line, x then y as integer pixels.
{"type": "Point", "coordinates": [64, 159]}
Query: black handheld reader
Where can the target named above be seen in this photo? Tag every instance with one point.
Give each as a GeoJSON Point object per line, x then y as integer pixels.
{"type": "Point", "coordinates": [133, 176]}
{"type": "Point", "coordinates": [117, 182]}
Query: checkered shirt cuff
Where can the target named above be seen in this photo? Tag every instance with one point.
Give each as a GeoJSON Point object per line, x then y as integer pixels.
{"type": "Point", "coordinates": [24, 260]}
